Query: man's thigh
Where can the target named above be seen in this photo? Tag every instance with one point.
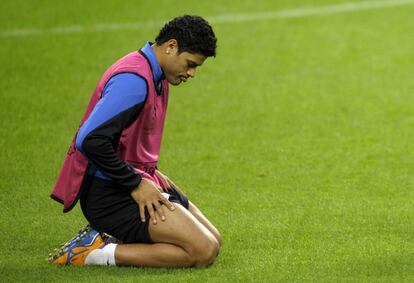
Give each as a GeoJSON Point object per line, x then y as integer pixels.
{"type": "Point", "coordinates": [203, 220]}
{"type": "Point", "coordinates": [181, 228]}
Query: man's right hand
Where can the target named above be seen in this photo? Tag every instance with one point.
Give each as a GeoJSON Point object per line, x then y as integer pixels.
{"type": "Point", "coordinates": [148, 195]}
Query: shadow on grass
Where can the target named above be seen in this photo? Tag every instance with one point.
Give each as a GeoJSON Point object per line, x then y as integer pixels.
{"type": "Point", "coordinates": [48, 273]}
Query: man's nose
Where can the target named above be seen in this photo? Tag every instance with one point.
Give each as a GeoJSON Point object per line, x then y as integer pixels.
{"type": "Point", "coordinates": [191, 72]}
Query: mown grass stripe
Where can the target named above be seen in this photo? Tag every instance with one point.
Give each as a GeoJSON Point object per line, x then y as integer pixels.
{"type": "Point", "coordinates": [226, 18]}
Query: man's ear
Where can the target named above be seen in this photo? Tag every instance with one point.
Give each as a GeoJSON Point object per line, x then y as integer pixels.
{"type": "Point", "coordinates": [171, 46]}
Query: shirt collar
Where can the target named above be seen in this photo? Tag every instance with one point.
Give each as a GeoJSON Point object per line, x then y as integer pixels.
{"type": "Point", "coordinates": [157, 72]}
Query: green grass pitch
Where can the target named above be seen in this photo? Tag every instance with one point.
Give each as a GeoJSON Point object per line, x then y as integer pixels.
{"type": "Point", "coordinates": [296, 141]}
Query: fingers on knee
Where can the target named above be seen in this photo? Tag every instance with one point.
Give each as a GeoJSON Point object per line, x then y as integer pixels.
{"type": "Point", "coordinates": [206, 252]}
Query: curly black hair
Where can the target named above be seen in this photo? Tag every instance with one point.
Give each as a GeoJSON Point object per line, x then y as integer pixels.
{"type": "Point", "coordinates": [193, 34]}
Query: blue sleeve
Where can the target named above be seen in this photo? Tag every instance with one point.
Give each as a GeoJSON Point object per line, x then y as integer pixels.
{"type": "Point", "coordinates": [122, 100]}
{"type": "Point", "coordinates": [122, 92]}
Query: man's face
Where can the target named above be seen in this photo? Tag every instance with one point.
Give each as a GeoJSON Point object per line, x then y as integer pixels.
{"type": "Point", "coordinates": [179, 67]}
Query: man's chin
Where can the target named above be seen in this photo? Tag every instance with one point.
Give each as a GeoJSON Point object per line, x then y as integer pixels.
{"type": "Point", "coordinates": [175, 82]}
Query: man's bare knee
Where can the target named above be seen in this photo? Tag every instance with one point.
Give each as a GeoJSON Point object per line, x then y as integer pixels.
{"type": "Point", "coordinates": [181, 228]}
{"type": "Point", "coordinates": [206, 252]}
{"type": "Point", "coordinates": [219, 238]}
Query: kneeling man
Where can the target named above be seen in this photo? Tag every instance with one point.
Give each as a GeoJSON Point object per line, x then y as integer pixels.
{"type": "Point", "coordinates": [137, 216]}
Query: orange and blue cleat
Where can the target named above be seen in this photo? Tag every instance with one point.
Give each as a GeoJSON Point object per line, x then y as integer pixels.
{"type": "Point", "coordinates": [78, 248]}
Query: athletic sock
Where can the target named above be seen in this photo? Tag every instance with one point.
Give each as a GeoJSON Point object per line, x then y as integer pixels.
{"type": "Point", "coordinates": [103, 256]}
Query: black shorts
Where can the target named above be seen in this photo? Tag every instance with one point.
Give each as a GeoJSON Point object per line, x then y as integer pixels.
{"type": "Point", "coordinates": [111, 210]}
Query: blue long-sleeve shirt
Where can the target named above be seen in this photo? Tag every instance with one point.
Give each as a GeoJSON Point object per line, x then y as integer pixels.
{"type": "Point", "coordinates": [122, 100]}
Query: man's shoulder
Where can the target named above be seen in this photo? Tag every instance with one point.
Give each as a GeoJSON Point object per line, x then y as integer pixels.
{"type": "Point", "coordinates": [127, 83]}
